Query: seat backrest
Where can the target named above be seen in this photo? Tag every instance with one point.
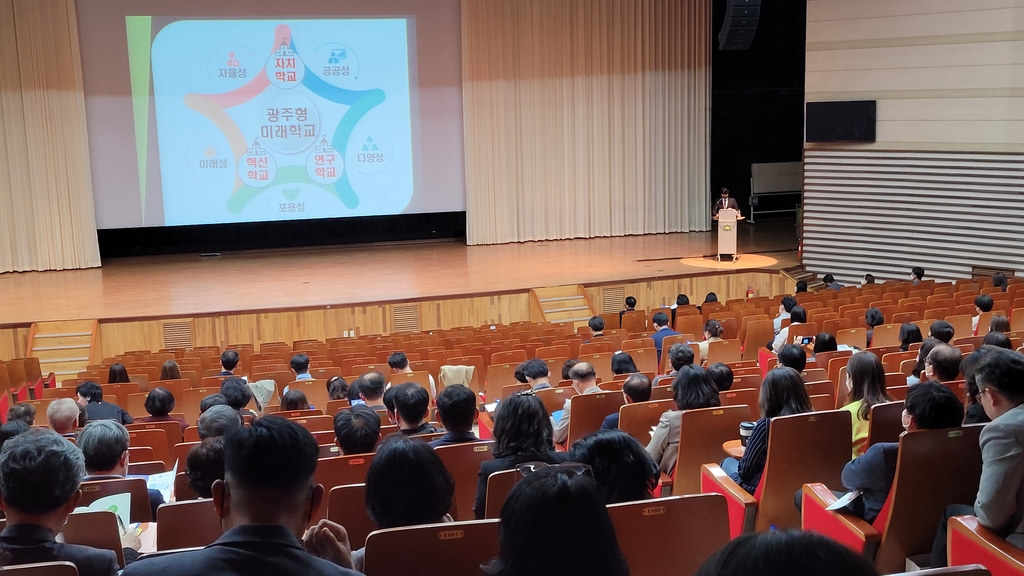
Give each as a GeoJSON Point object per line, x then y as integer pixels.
{"type": "Point", "coordinates": [935, 468]}
{"type": "Point", "coordinates": [885, 423]}
{"type": "Point", "coordinates": [93, 490]}
{"type": "Point", "coordinates": [499, 376]}
{"type": "Point", "coordinates": [499, 484]}
{"type": "Point", "coordinates": [646, 359]}
{"type": "Point", "coordinates": [182, 491]}
{"type": "Point", "coordinates": [172, 431]}
{"type": "Point", "coordinates": [463, 463]}
{"type": "Point", "coordinates": [314, 423]}
{"type": "Point", "coordinates": [698, 525]}
{"type": "Point", "coordinates": [346, 505]}
{"type": "Point", "coordinates": [432, 549]}
{"type": "Point", "coordinates": [639, 418]}
{"type": "Point", "coordinates": [315, 391]}
{"type": "Point", "coordinates": [602, 363]}
{"type": "Point", "coordinates": [190, 400]}
{"type": "Point", "coordinates": [759, 333]}
{"type": "Point", "coordinates": [701, 434]}
{"type": "Point", "coordinates": [724, 351]}
{"type": "Point", "coordinates": [802, 448]}
{"type": "Point", "coordinates": [743, 397]}
{"type": "Point", "coordinates": [154, 438]}
{"type": "Point", "coordinates": [43, 569]}
{"type": "Point", "coordinates": [340, 471]}
{"type": "Point", "coordinates": [97, 529]}
{"type": "Point", "coordinates": [554, 398]}
{"type": "Point", "coordinates": [589, 411]}
{"type": "Point", "coordinates": [187, 524]}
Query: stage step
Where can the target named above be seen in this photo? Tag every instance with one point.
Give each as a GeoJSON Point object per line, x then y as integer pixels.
{"type": "Point", "coordinates": [561, 304]}
{"type": "Point", "coordinates": [64, 348]}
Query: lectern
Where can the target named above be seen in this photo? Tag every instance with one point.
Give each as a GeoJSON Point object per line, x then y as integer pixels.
{"type": "Point", "coordinates": [727, 218]}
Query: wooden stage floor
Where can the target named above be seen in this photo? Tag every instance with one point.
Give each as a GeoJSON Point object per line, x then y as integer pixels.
{"type": "Point", "coordinates": [167, 286]}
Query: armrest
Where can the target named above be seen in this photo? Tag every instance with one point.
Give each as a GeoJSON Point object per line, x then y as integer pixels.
{"type": "Point", "coordinates": [848, 530]}
{"type": "Point", "coordinates": [666, 482]}
{"type": "Point", "coordinates": [971, 543]}
{"type": "Point", "coordinates": [742, 506]}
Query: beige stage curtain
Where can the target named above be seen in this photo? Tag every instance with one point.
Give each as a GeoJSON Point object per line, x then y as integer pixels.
{"type": "Point", "coordinates": [47, 220]}
{"type": "Point", "coordinates": [585, 118]}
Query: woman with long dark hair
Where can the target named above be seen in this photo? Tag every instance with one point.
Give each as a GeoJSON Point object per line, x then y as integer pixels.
{"type": "Point", "coordinates": [865, 381]}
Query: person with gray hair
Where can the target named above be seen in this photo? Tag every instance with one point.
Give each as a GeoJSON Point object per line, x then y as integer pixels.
{"type": "Point", "coordinates": [62, 415]}
{"type": "Point", "coordinates": [40, 476]}
{"type": "Point", "coordinates": [218, 421]}
{"type": "Point", "coordinates": [104, 445]}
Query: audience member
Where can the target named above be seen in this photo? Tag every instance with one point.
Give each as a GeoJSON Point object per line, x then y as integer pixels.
{"type": "Point", "coordinates": [916, 275]}
{"type": "Point", "coordinates": [681, 300]}
{"type": "Point", "coordinates": [568, 366]}
{"type": "Point", "coordinates": [692, 389]}
{"type": "Point", "coordinates": [622, 363]}
{"type": "Point", "coordinates": [824, 342]}
{"type": "Point", "coordinates": [389, 404]}
{"type": "Point", "coordinates": [117, 374]}
{"type": "Point", "coordinates": [24, 412]}
{"type": "Point", "coordinates": [399, 364]}
{"type": "Point", "coordinates": [917, 372]}
{"type": "Point", "coordinates": [796, 316]}
{"type": "Point", "coordinates": [943, 363]}
{"type": "Point", "coordinates": [713, 332]}
{"type": "Point", "coordinates": [630, 306]}
{"type": "Point", "coordinates": [909, 334]}
{"type": "Point", "coordinates": [999, 323]}
{"type": "Point", "coordinates": [801, 287]}
{"type": "Point", "coordinates": [522, 433]}
{"type": "Point", "coordinates": [62, 415]}
{"type": "Point", "coordinates": [294, 400]}
{"type": "Point", "coordinates": [412, 408]}
{"type": "Point", "coordinates": [786, 553]}
{"type": "Point", "coordinates": [299, 365]}
{"type": "Point", "coordinates": [371, 389]}
{"type": "Point", "coordinates": [265, 502]}
{"type": "Point", "coordinates": [211, 401]}
{"type": "Point", "coordinates": [872, 318]}
{"type": "Point", "coordinates": [830, 282]}
{"type": "Point", "coordinates": [584, 381]}
{"type": "Point", "coordinates": [457, 411]}
{"type": "Point", "coordinates": [982, 304]}
{"type": "Point", "coordinates": [999, 281]}
{"type": "Point", "coordinates": [868, 279]}
{"type": "Point", "coordinates": [623, 470]}
{"type": "Point", "coordinates": [782, 394]}
{"type": "Point", "coordinates": [159, 404]}
{"type": "Point", "coordinates": [337, 388]}
{"type": "Point", "coordinates": [536, 373]}
{"type": "Point", "coordinates": [558, 500]}
{"type": "Point", "coordinates": [975, 412]}
{"type": "Point", "coordinates": [204, 465]}
{"type": "Point", "coordinates": [941, 331]}
{"type": "Point", "coordinates": [406, 485]}
{"type": "Point", "coordinates": [997, 339]}
{"type": "Point", "coordinates": [679, 355]}
{"type": "Point", "coordinates": [596, 325]}
{"type": "Point", "coordinates": [636, 388]}
{"type": "Point", "coordinates": [104, 444]}
{"type": "Point", "coordinates": [237, 394]}
{"type": "Point", "coordinates": [354, 396]}
{"type": "Point", "coordinates": [710, 298]}
{"type": "Point", "coordinates": [170, 371]}
{"type": "Point", "coordinates": [865, 383]}
{"type": "Point", "coordinates": [721, 375]}
{"type": "Point", "coordinates": [793, 356]}
{"type": "Point", "coordinates": [785, 308]}
{"type": "Point", "coordinates": [929, 406]}
{"type": "Point", "coordinates": [218, 421]}
{"type": "Point", "coordinates": [661, 330]}
{"type": "Point", "coordinates": [1000, 376]}
{"type": "Point", "coordinates": [357, 430]}
{"type": "Point", "coordinates": [228, 362]}
{"type": "Point", "coordinates": [40, 476]}
{"type": "Point", "coordinates": [11, 429]}
{"type": "Point", "coordinates": [90, 395]}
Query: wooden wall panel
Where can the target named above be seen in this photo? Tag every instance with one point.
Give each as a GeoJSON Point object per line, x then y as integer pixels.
{"type": "Point", "coordinates": [13, 342]}
{"type": "Point", "coordinates": [663, 292]}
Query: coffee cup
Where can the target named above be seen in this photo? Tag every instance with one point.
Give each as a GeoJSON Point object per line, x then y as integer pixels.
{"type": "Point", "coordinates": [746, 429]}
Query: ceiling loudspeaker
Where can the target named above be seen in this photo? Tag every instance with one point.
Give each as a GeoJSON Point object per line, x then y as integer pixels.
{"type": "Point", "coordinates": [740, 24]}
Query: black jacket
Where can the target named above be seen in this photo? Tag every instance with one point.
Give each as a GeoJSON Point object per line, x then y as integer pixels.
{"type": "Point", "coordinates": [509, 463]}
{"type": "Point", "coordinates": [28, 544]}
{"type": "Point", "coordinates": [106, 411]}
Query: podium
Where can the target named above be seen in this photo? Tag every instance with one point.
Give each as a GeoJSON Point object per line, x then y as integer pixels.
{"type": "Point", "coordinates": [727, 219]}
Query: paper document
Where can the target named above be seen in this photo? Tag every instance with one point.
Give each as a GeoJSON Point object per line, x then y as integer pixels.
{"type": "Point", "coordinates": [845, 501]}
{"type": "Point", "coordinates": [163, 482]}
{"type": "Point", "coordinates": [119, 504]}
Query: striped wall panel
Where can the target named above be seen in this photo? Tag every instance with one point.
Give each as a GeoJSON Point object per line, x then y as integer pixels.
{"type": "Point", "coordinates": [883, 212]}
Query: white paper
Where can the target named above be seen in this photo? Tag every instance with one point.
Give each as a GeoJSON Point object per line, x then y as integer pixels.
{"type": "Point", "coordinates": [490, 407]}
{"type": "Point", "coordinates": [845, 500]}
{"type": "Point", "coordinates": [163, 482]}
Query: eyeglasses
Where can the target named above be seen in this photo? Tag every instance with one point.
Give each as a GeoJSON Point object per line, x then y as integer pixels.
{"type": "Point", "coordinates": [528, 468]}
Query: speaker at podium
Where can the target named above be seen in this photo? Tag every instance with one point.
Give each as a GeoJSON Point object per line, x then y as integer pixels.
{"type": "Point", "coordinates": [727, 222]}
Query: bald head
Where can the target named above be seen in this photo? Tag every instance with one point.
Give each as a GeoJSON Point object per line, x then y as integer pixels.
{"type": "Point", "coordinates": [583, 376]}
{"type": "Point", "coordinates": [943, 363]}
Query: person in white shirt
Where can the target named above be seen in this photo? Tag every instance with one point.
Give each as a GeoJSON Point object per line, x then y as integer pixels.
{"type": "Point", "coordinates": [399, 364]}
{"type": "Point", "coordinates": [796, 316]}
{"type": "Point", "coordinates": [785, 308]}
{"type": "Point", "coordinates": [982, 304]}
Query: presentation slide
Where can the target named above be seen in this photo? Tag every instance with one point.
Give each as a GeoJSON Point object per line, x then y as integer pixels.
{"type": "Point", "coordinates": [231, 112]}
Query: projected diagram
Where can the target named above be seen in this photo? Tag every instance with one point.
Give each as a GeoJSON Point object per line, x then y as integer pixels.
{"type": "Point", "coordinates": [261, 120]}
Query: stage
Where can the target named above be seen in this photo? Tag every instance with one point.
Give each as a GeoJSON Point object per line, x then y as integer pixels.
{"type": "Point", "coordinates": [186, 285]}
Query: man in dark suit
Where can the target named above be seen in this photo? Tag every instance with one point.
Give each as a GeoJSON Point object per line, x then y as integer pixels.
{"type": "Point", "coordinates": [457, 411]}
{"type": "Point", "coordinates": [636, 388]}
{"type": "Point", "coordinates": [265, 502]}
{"type": "Point", "coordinates": [661, 329]}
{"type": "Point", "coordinates": [725, 202]}
{"type": "Point", "coordinates": [40, 476]}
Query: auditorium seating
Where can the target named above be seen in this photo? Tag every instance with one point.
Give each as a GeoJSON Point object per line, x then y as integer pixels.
{"type": "Point", "coordinates": [43, 569]}
{"type": "Point", "coordinates": [971, 543]}
{"type": "Point", "coordinates": [93, 490]}
{"type": "Point", "coordinates": [463, 463]}
{"type": "Point", "coordinates": [431, 550]}
{"type": "Point", "coordinates": [187, 524]}
{"type": "Point", "coordinates": [701, 435]}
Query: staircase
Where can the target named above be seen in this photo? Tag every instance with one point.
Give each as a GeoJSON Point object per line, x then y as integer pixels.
{"type": "Point", "coordinates": [796, 273]}
{"type": "Point", "coordinates": [65, 347]}
{"type": "Point", "coordinates": [561, 304]}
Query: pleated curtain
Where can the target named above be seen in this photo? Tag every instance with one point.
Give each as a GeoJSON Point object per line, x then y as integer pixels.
{"type": "Point", "coordinates": [47, 219]}
{"type": "Point", "coordinates": [585, 118]}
